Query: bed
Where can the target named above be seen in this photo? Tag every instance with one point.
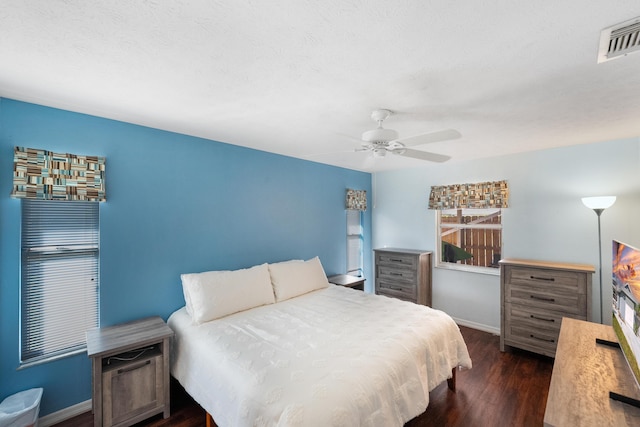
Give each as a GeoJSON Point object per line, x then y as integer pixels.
{"type": "Point", "coordinates": [308, 353]}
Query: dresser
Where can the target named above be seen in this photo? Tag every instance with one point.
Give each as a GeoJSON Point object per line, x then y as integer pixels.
{"type": "Point", "coordinates": [130, 371]}
{"type": "Point", "coordinates": [535, 296]}
{"type": "Point", "coordinates": [404, 274]}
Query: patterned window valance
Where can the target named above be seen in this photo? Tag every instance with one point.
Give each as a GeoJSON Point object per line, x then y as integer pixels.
{"type": "Point", "coordinates": [356, 199]}
{"type": "Point", "coordinates": [480, 195]}
{"type": "Point", "coordinates": [44, 175]}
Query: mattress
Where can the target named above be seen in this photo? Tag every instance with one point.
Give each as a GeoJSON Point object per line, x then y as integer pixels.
{"type": "Point", "coordinates": [332, 357]}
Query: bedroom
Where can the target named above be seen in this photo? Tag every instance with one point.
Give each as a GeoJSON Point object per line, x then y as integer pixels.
{"type": "Point", "coordinates": [168, 195]}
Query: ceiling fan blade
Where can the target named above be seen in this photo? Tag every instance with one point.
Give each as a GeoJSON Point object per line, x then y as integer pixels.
{"type": "Point", "coordinates": [423, 155]}
{"type": "Point", "coordinates": [427, 138]}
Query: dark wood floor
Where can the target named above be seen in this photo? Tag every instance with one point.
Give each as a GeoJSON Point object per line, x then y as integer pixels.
{"type": "Point", "coordinates": [502, 389]}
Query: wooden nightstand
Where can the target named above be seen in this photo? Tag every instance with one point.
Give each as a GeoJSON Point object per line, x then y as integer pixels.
{"type": "Point", "coordinates": [348, 281]}
{"type": "Point", "coordinates": [130, 371]}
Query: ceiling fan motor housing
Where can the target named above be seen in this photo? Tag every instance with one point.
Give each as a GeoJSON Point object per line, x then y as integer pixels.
{"type": "Point", "coordinates": [380, 135]}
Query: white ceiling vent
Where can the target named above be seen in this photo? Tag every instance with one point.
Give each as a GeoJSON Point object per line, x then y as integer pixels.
{"type": "Point", "coordinates": [619, 40]}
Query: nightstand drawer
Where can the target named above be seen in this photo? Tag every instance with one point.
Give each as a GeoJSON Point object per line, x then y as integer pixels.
{"type": "Point", "coordinates": [132, 389]}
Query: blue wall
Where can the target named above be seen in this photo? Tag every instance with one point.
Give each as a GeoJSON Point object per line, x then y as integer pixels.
{"type": "Point", "coordinates": [175, 204]}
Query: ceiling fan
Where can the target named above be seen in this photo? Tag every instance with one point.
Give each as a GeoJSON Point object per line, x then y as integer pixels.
{"type": "Point", "coordinates": [381, 141]}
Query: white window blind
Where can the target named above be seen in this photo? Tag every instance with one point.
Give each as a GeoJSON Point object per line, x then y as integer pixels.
{"type": "Point", "coordinates": [354, 243]}
{"type": "Point", "coordinates": [60, 277]}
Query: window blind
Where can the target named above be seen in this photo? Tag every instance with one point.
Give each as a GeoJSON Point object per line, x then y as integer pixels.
{"type": "Point", "coordinates": [60, 277]}
{"type": "Point", "coordinates": [354, 243]}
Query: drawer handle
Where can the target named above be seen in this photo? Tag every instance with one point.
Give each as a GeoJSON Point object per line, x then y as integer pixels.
{"type": "Point", "coordinates": [395, 288]}
{"type": "Point", "coordinates": [394, 274]}
{"type": "Point", "coordinates": [542, 339]}
{"type": "Point", "coordinates": [133, 368]}
{"type": "Point", "coordinates": [542, 318]}
{"type": "Point", "coordinates": [396, 260]}
{"type": "Point", "coordinates": [542, 298]}
{"type": "Point", "coordinates": [546, 279]}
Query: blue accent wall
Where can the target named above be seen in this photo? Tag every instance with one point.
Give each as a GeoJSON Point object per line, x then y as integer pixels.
{"type": "Point", "coordinates": [175, 204]}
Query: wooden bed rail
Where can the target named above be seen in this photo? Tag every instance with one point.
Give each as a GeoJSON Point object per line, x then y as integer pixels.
{"type": "Point", "coordinates": [451, 383]}
{"type": "Point", "coordinates": [210, 422]}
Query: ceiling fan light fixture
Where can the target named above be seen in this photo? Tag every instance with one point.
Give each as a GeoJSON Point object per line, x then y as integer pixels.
{"type": "Point", "coordinates": [379, 152]}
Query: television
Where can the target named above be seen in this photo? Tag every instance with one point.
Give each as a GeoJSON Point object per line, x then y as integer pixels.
{"type": "Point", "coordinates": [626, 302]}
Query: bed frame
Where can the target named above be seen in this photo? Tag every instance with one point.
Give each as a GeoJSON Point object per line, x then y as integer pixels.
{"type": "Point", "coordinates": [451, 383]}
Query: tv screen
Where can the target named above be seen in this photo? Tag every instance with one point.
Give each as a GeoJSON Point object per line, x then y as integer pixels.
{"type": "Point", "coordinates": [626, 302]}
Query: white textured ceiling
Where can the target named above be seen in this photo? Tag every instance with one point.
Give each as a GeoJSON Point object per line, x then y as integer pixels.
{"type": "Point", "coordinates": [301, 77]}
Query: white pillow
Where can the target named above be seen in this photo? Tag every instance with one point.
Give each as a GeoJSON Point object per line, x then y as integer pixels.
{"type": "Point", "coordinates": [214, 294]}
{"type": "Point", "coordinates": [293, 278]}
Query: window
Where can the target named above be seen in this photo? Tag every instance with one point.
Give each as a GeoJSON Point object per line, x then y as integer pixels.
{"type": "Point", "coordinates": [60, 277]}
{"type": "Point", "coordinates": [469, 239]}
{"type": "Point", "coordinates": [354, 243]}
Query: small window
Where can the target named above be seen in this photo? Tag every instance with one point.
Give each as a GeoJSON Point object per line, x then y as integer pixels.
{"type": "Point", "coordinates": [469, 239]}
{"type": "Point", "coordinates": [355, 241]}
{"type": "Point", "coordinates": [59, 283]}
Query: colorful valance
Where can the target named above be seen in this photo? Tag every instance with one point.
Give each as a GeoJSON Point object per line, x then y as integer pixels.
{"type": "Point", "coordinates": [356, 200]}
{"type": "Point", "coordinates": [481, 195]}
{"type": "Point", "coordinates": [44, 175]}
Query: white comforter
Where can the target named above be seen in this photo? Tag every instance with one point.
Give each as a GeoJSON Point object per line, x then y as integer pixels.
{"type": "Point", "coordinates": [333, 357]}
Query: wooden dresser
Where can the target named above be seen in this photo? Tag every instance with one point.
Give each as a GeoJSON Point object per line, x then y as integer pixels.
{"type": "Point", "coordinates": [535, 296]}
{"type": "Point", "coordinates": [404, 274]}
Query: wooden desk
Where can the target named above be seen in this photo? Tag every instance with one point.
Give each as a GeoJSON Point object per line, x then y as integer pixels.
{"type": "Point", "coordinates": [348, 281]}
{"type": "Point", "coordinates": [583, 374]}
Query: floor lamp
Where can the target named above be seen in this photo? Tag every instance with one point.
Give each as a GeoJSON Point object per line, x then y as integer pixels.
{"type": "Point", "coordinates": [599, 204]}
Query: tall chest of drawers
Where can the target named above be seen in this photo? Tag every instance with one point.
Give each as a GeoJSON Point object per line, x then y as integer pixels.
{"type": "Point", "coordinates": [535, 296]}
{"type": "Point", "coordinates": [404, 274]}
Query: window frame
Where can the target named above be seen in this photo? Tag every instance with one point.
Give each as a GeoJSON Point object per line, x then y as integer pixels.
{"type": "Point", "coordinates": [60, 256]}
{"type": "Point", "coordinates": [439, 263]}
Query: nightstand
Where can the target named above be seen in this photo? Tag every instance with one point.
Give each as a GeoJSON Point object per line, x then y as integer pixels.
{"type": "Point", "coordinates": [130, 371]}
{"type": "Point", "coordinates": [348, 281]}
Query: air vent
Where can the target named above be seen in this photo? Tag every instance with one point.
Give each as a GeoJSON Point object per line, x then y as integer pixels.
{"type": "Point", "coordinates": [619, 40]}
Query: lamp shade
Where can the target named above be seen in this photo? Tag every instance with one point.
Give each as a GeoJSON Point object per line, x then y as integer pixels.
{"type": "Point", "coordinates": [600, 202]}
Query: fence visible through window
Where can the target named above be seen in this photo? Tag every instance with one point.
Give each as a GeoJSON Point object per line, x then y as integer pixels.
{"type": "Point", "coordinates": [471, 239]}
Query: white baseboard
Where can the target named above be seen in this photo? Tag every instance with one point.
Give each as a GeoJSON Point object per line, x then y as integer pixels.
{"type": "Point", "coordinates": [478, 326]}
{"type": "Point", "coordinates": [65, 414]}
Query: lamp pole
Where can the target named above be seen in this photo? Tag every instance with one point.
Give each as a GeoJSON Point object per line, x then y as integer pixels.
{"type": "Point", "coordinates": [599, 212]}
{"type": "Point", "coordinates": [599, 204]}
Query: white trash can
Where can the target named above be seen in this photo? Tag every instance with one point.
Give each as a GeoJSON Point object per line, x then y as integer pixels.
{"type": "Point", "coordinates": [21, 409]}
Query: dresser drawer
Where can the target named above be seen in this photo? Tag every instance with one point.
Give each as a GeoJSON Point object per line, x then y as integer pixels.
{"type": "Point", "coordinates": [397, 274]}
{"type": "Point", "coordinates": [534, 318]}
{"type": "Point", "coordinates": [562, 282]}
{"type": "Point", "coordinates": [397, 260]}
{"type": "Point", "coordinates": [548, 298]}
{"type": "Point", "coordinates": [539, 341]}
{"type": "Point", "coordinates": [401, 290]}
{"type": "Point", "coordinates": [528, 325]}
